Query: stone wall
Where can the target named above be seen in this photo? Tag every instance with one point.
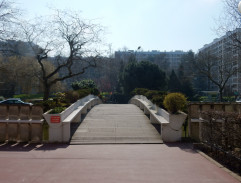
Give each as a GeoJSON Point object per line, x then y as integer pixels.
{"type": "Point", "coordinates": [21, 123]}
{"type": "Point", "coordinates": [195, 110]}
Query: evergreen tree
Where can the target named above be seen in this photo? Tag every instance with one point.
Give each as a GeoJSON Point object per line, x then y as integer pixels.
{"type": "Point", "coordinates": [174, 84]}
{"type": "Point", "coordinates": [187, 89]}
{"type": "Point", "coordinates": [142, 75]}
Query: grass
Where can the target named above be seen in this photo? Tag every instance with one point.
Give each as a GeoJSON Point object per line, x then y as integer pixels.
{"type": "Point", "coordinates": [28, 96]}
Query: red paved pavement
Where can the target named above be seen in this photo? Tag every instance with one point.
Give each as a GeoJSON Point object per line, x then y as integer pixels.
{"type": "Point", "coordinates": [173, 163]}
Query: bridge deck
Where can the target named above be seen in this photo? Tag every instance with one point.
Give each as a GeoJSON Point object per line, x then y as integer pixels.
{"type": "Point", "coordinates": [115, 123]}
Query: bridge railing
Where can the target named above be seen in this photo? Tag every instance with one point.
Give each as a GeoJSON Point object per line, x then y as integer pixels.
{"type": "Point", "coordinates": [21, 123]}
{"type": "Point", "coordinates": [59, 124]}
{"type": "Point", "coordinates": [170, 124]}
{"type": "Point", "coordinates": [195, 110]}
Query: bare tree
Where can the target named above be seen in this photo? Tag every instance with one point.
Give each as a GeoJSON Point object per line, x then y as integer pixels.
{"type": "Point", "coordinates": [217, 70]}
{"type": "Point", "coordinates": [229, 22]}
{"type": "Point", "coordinates": [220, 63]}
{"type": "Point", "coordinates": [70, 40]}
{"type": "Point", "coordinates": [9, 16]}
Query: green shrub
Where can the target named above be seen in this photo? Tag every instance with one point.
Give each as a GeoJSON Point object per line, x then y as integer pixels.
{"type": "Point", "coordinates": [174, 102]}
{"type": "Point", "coordinates": [119, 98]}
{"type": "Point", "coordinates": [60, 97]}
{"type": "Point", "coordinates": [94, 91]}
{"type": "Point", "coordinates": [71, 96]}
{"type": "Point", "coordinates": [47, 105]}
{"type": "Point", "coordinates": [106, 97]}
{"type": "Point", "coordinates": [57, 110]}
{"type": "Point", "coordinates": [158, 100]}
{"type": "Point", "coordinates": [155, 96]}
{"type": "Point", "coordinates": [83, 84]}
{"type": "Point", "coordinates": [84, 92]}
{"type": "Point", "coordinates": [139, 91]}
{"type": "Point", "coordinates": [151, 93]}
{"type": "Point", "coordinates": [28, 96]}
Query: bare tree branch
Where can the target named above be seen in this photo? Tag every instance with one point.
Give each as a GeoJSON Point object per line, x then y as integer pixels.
{"type": "Point", "coordinates": [68, 38]}
{"type": "Point", "coordinates": [217, 70]}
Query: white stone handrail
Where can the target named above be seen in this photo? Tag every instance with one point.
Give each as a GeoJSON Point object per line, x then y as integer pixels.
{"type": "Point", "coordinates": [59, 124]}
{"type": "Point", "coordinates": [171, 124]}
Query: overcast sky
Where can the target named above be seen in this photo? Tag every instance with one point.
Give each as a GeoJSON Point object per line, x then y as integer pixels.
{"type": "Point", "coordinates": [152, 24]}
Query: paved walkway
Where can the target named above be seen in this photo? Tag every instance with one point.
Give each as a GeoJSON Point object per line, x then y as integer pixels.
{"type": "Point", "coordinates": [116, 123]}
{"type": "Point", "coordinates": [131, 163]}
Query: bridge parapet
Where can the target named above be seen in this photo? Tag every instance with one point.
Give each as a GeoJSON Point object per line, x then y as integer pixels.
{"type": "Point", "coordinates": [21, 123]}
{"type": "Point", "coordinates": [195, 110]}
{"type": "Point", "coordinates": [171, 124]}
{"type": "Point", "coordinates": [59, 124]}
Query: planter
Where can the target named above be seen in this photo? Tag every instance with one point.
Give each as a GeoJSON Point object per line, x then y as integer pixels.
{"type": "Point", "coordinates": [176, 120]}
{"type": "Point", "coordinates": [52, 118]}
{"type": "Point", "coordinates": [55, 126]}
{"type": "Point", "coordinates": [172, 132]}
{"type": "Point", "coordinates": [59, 131]}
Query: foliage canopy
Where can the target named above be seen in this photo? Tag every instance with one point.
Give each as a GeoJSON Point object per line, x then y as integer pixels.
{"type": "Point", "coordinates": [142, 75]}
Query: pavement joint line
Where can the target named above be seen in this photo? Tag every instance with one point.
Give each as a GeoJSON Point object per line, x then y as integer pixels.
{"type": "Point", "coordinates": [128, 143]}
{"type": "Point", "coordinates": [235, 175]}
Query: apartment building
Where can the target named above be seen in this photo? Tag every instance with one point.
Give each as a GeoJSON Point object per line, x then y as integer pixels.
{"type": "Point", "coordinates": [227, 51]}
{"type": "Point", "coordinates": [166, 60]}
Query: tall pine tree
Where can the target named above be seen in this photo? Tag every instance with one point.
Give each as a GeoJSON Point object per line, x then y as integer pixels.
{"type": "Point", "coordinates": [174, 84]}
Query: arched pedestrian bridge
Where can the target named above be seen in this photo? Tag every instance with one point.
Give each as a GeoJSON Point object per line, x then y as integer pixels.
{"type": "Point", "coordinates": [115, 123]}
{"type": "Point", "coordinates": [103, 123]}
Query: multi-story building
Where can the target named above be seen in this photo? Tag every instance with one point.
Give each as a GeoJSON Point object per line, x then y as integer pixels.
{"type": "Point", "coordinates": [227, 52]}
{"type": "Point", "coordinates": [166, 60]}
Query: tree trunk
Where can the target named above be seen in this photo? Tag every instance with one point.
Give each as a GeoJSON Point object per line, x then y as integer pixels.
{"type": "Point", "coordinates": [221, 94]}
{"type": "Point", "coordinates": [46, 92]}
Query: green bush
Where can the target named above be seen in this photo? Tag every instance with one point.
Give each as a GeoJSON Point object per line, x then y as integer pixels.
{"type": "Point", "coordinates": [71, 96]}
{"type": "Point", "coordinates": [106, 97]}
{"type": "Point", "coordinates": [151, 93]}
{"type": "Point", "coordinates": [94, 91]}
{"type": "Point", "coordinates": [174, 102]}
{"type": "Point", "coordinates": [158, 100]}
{"type": "Point", "coordinates": [60, 97]}
{"type": "Point", "coordinates": [47, 105]}
{"type": "Point", "coordinates": [119, 98]}
{"type": "Point", "coordinates": [155, 96]}
{"type": "Point", "coordinates": [57, 110]}
{"type": "Point", "coordinates": [83, 84]}
{"type": "Point", "coordinates": [139, 91]}
{"type": "Point", "coordinates": [63, 100]}
{"type": "Point", "coordinates": [84, 92]}
{"type": "Point", "coordinates": [28, 96]}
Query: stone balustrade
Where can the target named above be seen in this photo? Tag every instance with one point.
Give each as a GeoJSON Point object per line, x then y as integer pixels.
{"type": "Point", "coordinates": [23, 123]}
{"type": "Point", "coordinates": [20, 123]}
{"type": "Point", "coordinates": [194, 115]}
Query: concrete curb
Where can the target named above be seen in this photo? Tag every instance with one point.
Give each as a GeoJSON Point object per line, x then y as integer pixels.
{"type": "Point", "coordinates": [236, 176]}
